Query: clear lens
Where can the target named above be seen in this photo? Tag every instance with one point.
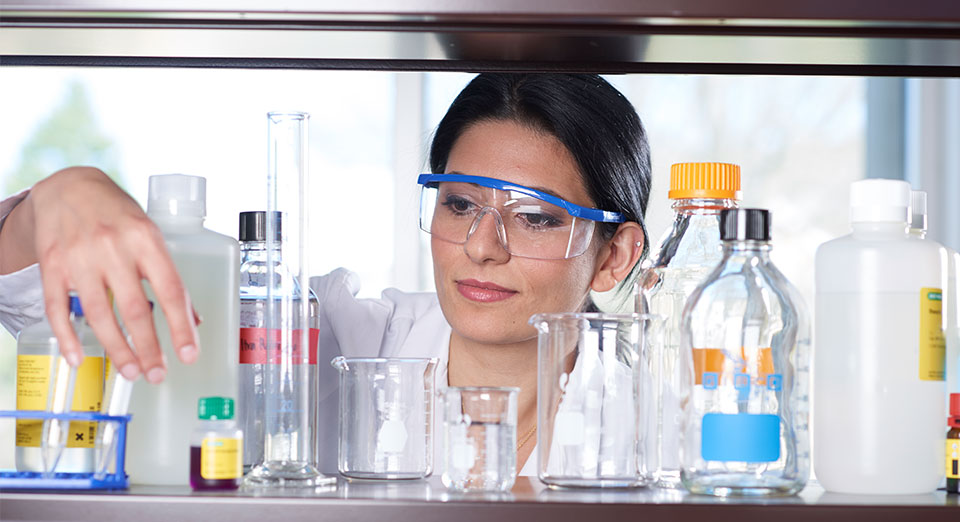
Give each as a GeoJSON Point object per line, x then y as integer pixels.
{"type": "Point", "coordinates": [528, 227]}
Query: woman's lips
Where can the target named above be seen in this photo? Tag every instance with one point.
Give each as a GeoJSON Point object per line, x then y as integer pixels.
{"type": "Point", "coordinates": [483, 292]}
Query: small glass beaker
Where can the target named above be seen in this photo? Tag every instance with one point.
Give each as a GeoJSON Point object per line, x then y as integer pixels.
{"type": "Point", "coordinates": [386, 417]}
{"type": "Point", "coordinates": [590, 398]}
{"type": "Point", "coordinates": [479, 438]}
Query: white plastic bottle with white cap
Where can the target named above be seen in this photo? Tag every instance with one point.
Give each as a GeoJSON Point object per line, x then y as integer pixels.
{"type": "Point", "coordinates": [879, 350]}
{"type": "Point", "coordinates": [158, 447]}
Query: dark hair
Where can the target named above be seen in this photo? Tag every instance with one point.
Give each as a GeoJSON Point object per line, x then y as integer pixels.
{"type": "Point", "coordinates": [592, 119]}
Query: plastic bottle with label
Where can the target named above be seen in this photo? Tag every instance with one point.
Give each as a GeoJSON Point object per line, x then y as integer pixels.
{"type": "Point", "coordinates": [37, 352]}
{"type": "Point", "coordinates": [745, 336]}
{"type": "Point", "coordinates": [216, 446]}
{"type": "Point", "coordinates": [208, 264]}
{"type": "Point", "coordinates": [879, 350]}
{"type": "Point", "coordinates": [253, 353]}
{"type": "Point", "coordinates": [689, 251]}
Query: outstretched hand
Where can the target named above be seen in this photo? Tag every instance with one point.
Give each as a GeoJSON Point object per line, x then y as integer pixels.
{"type": "Point", "coordinates": [91, 237]}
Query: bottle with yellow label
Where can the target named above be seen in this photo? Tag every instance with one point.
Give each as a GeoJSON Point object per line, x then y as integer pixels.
{"type": "Point", "coordinates": [953, 445]}
{"type": "Point", "coordinates": [879, 350]}
{"type": "Point", "coordinates": [745, 339]}
{"type": "Point", "coordinates": [216, 446]}
{"type": "Point", "coordinates": [38, 358]}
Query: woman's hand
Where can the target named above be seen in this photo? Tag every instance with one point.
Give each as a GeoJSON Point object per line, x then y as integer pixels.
{"type": "Point", "coordinates": [89, 236]}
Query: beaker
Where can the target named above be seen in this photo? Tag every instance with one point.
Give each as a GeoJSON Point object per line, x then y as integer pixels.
{"type": "Point", "coordinates": [479, 437]}
{"type": "Point", "coordinates": [290, 399]}
{"type": "Point", "coordinates": [386, 417]}
{"type": "Point", "coordinates": [590, 398]}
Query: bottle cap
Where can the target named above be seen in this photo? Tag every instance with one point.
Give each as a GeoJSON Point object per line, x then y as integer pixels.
{"type": "Point", "coordinates": [75, 307]}
{"type": "Point", "coordinates": [918, 210]}
{"type": "Point", "coordinates": [955, 404]}
{"type": "Point", "coordinates": [879, 201]}
{"type": "Point", "coordinates": [253, 226]}
{"type": "Point", "coordinates": [177, 195]}
{"type": "Point", "coordinates": [745, 224]}
{"type": "Point", "coordinates": [704, 180]}
{"type": "Point", "coordinates": [215, 408]}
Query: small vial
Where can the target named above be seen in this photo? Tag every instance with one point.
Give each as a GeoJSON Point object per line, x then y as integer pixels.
{"type": "Point", "coordinates": [216, 446]}
{"type": "Point", "coordinates": [953, 445]}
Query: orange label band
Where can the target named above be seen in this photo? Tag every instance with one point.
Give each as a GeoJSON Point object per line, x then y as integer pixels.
{"type": "Point", "coordinates": [713, 360]}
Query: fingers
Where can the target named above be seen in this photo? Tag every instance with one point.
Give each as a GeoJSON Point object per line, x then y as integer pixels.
{"type": "Point", "coordinates": [172, 296]}
{"type": "Point", "coordinates": [137, 315]}
{"type": "Point", "coordinates": [100, 317]}
{"type": "Point", "coordinates": [56, 302]}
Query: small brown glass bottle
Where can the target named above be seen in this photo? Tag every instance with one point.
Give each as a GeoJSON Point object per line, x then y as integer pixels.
{"type": "Point", "coordinates": [953, 445]}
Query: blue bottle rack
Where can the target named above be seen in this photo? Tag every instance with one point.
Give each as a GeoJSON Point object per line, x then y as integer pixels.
{"type": "Point", "coordinates": [10, 479]}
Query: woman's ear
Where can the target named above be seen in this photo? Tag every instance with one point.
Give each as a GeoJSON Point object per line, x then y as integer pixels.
{"type": "Point", "coordinates": [618, 257]}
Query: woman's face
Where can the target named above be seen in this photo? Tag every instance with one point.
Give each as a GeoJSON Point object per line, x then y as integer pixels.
{"type": "Point", "coordinates": [486, 294]}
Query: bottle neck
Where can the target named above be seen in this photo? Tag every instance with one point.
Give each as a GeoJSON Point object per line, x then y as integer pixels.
{"type": "Point", "coordinates": [880, 229]}
{"type": "Point", "coordinates": [181, 224]}
{"type": "Point", "coordinates": [703, 206]}
{"type": "Point", "coordinates": [747, 248]}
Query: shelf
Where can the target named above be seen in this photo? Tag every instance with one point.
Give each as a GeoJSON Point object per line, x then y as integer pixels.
{"type": "Point", "coordinates": [919, 38]}
{"type": "Point", "coordinates": [426, 501]}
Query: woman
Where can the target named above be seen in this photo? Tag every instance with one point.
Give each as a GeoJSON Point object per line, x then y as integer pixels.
{"type": "Point", "coordinates": [538, 194]}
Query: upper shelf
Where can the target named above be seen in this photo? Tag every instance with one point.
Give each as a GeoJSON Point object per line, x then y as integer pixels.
{"type": "Point", "coordinates": [917, 38]}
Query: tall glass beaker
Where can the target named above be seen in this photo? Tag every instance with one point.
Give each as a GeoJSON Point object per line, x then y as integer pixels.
{"type": "Point", "coordinates": [590, 398]}
{"type": "Point", "coordinates": [290, 402]}
{"type": "Point", "coordinates": [386, 417]}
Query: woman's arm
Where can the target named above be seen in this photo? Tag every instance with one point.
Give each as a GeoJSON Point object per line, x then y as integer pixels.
{"type": "Point", "coordinates": [89, 236]}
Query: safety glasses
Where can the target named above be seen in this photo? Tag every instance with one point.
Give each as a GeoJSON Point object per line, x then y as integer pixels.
{"type": "Point", "coordinates": [529, 222]}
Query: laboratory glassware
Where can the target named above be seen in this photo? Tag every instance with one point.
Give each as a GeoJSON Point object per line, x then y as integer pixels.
{"type": "Point", "coordinates": [745, 336]}
{"type": "Point", "coordinates": [116, 403]}
{"type": "Point", "coordinates": [590, 395]}
{"type": "Point", "coordinates": [252, 350]}
{"type": "Point", "coordinates": [46, 382]}
{"type": "Point", "coordinates": [479, 437]}
{"type": "Point", "coordinates": [216, 446]}
{"type": "Point", "coordinates": [386, 417]}
{"type": "Point", "coordinates": [208, 264]}
{"type": "Point", "coordinates": [688, 251]}
{"type": "Point", "coordinates": [290, 397]}
{"type": "Point", "coordinates": [879, 359]}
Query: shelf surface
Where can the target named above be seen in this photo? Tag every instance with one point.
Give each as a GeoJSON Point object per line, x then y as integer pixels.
{"type": "Point", "coordinates": [918, 38]}
{"type": "Point", "coordinates": [428, 501]}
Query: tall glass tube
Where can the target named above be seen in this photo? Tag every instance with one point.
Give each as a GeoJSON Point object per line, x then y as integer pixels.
{"type": "Point", "coordinates": [290, 403]}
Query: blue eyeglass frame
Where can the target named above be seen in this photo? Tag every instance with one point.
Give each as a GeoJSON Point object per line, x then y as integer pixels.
{"type": "Point", "coordinates": [593, 214]}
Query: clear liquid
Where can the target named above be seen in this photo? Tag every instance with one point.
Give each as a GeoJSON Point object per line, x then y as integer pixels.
{"type": "Point", "coordinates": [252, 393]}
{"type": "Point", "coordinates": [479, 456]}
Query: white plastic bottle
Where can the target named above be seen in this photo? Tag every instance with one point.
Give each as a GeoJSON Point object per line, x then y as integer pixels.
{"type": "Point", "coordinates": [37, 351]}
{"type": "Point", "coordinates": [879, 350]}
{"type": "Point", "coordinates": [208, 264]}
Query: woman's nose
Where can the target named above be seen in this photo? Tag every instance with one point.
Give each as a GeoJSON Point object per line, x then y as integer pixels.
{"type": "Point", "coordinates": [486, 240]}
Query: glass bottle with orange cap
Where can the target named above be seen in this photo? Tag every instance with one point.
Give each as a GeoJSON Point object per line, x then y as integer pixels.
{"type": "Point", "coordinates": [688, 252]}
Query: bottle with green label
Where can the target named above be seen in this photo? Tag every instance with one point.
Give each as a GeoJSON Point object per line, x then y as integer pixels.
{"type": "Point", "coordinates": [745, 337]}
{"type": "Point", "coordinates": [879, 349]}
{"type": "Point", "coordinates": [216, 446]}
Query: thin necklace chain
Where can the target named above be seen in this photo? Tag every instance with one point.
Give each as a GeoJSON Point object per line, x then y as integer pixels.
{"type": "Point", "coordinates": [526, 437]}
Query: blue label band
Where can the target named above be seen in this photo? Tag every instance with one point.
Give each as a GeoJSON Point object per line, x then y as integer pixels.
{"type": "Point", "coordinates": [740, 437]}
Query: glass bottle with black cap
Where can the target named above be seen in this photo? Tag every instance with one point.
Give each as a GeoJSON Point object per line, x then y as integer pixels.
{"type": "Point", "coordinates": [253, 353]}
{"type": "Point", "coordinates": [745, 337]}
